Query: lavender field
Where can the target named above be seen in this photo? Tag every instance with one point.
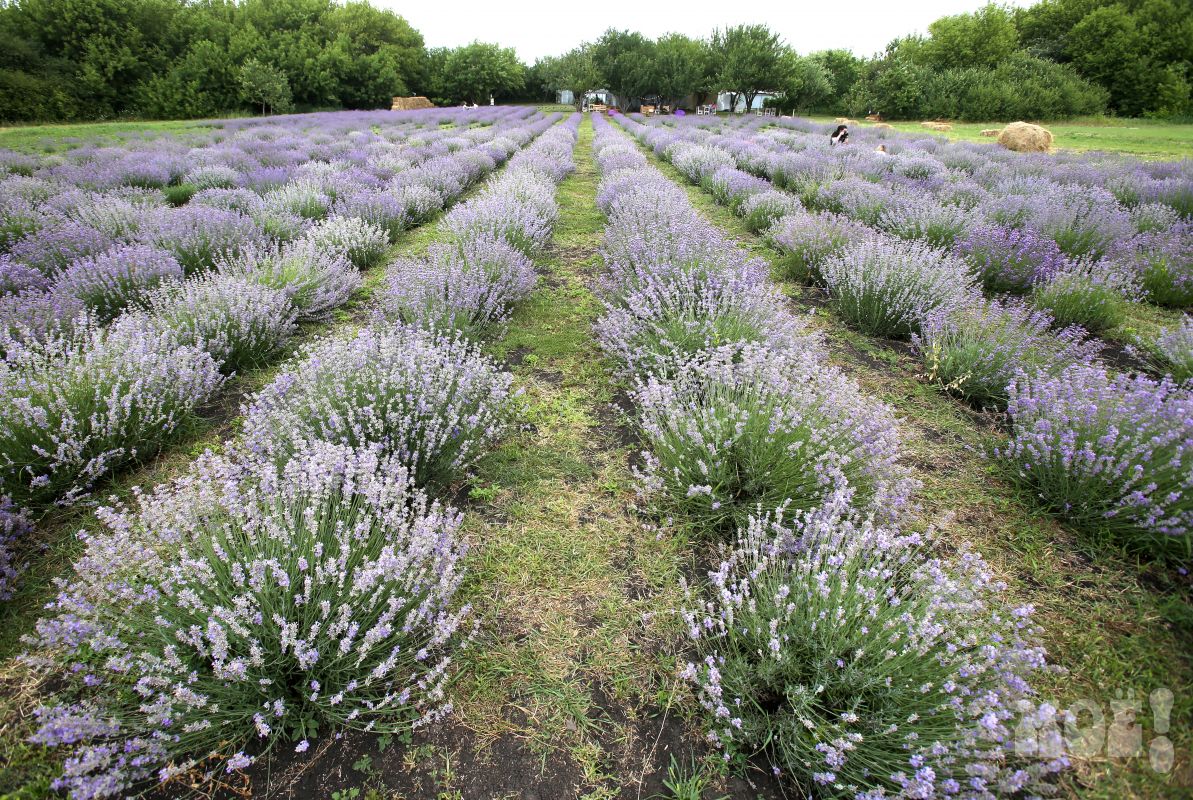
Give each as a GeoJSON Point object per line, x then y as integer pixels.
{"type": "Point", "coordinates": [501, 453]}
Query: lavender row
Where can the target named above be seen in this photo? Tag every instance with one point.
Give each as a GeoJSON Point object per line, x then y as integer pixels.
{"type": "Point", "coordinates": [323, 573]}
{"type": "Point", "coordinates": [470, 284]}
{"type": "Point", "coordinates": [831, 641]}
{"type": "Point", "coordinates": [68, 244]}
{"type": "Point", "coordinates": [993, 353]}
{"type": "Point", "coordinates": [81, 401]}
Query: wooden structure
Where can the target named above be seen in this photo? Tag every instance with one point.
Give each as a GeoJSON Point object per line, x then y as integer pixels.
{"type": "Point", "coordinates": [411, 103]}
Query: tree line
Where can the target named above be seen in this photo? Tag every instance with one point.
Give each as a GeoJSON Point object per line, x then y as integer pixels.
{"type": "Point", "coordinates": [103, 59]}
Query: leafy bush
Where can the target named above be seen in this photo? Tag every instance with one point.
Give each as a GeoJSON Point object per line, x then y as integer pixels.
{"type": "Point", "coordinates": [201, 236]}
{"type": "Point", "coordinates": [1107, 452]}
{"type": "Point", "coordinates": [1092, 294]}
{"type": "Point", "coordinates": [761, 210]}
{"type": "Point", "coordinates": [736, 431]}
{"type": "Point", "coordinates": [804, 241]}
{"type": "Point", "coordinates": [109, 283]}
{"type": "Point", "coordinates": [361, 242]}
{"type": "Point", "coordinates": [430, 401]}
{"type": "Point", "coordinates": [887, 287]}
{"type": "Point", "coordinates": [468, 287]}
{"type": "Point", "coordinates": [82, 403]}
{"type": "Point", "coordinates": [866, 667]}
{"type": "Point", "coordinates": [243, 605]}
{"type": "Point", "coordinates": [975, 351]}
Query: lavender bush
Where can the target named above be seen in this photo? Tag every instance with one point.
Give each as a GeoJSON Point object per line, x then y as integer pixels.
{"type": "Point", "coordinates": [1107, 452]}
{"type": "Point", "coordinates": [430, 401]}
{"type": "Point", "coordinates": [1164, 262]}
{"type": "Point", "coordinates": [761, 210]}
{"type": "Point", "coordinates": [109, 283]}
{"type": "Point", "coordinates": [865, 667]}
{"type": "Point", "coordinates": [738, 431]}
{"type": "Point", "coordinates": [1009, 259]}
{"type": "Point", "coordinates": [78, 405]}
{"type": "Point", "coordinates": [1170, 353]}
{"type": "Point", "coordinates": [975, 351]}
{"type": "Point", "coordinates": [888, 287]}
{"type": "Point", "coordinates": [804, 241]}
{"type": "Point", "coordinates": [315, 281]}
{"type": "Point", "coordinates": [361, 242]}
{"type": "Point", "coordinates": [245, 605]}
{"type": "Point", "coordinates": [14, 524]}
{"type": "Point", "coordinates": [468, 287]}
{"type": "Point", "coordinates": [201, 236]}
{"type": "Point", "coordinates": [1092, 294]}
{"type": "Point", "coordinates": [241, 324]}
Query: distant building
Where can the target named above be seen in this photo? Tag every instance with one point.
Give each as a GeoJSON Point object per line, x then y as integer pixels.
{"type": "Point", "coordinates": [567, 97]}
{"type": "Point", "coordinates": [724, 97]}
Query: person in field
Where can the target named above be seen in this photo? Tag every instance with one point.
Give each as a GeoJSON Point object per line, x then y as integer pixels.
{"type": "Point", "coordinates": [881, 149]}
{"type": "Point", "coordinates": [839, 136]}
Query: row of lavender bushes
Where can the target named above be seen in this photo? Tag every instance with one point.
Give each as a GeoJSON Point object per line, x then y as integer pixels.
{"type": "Point", "coordinates": [830, 639]}
{"type": "Point", "coordinates": [136, 336]}
{"type": "Point", "coordinates": [1110, 454]}
{"type": "Point", "coordinates": [305, 582]}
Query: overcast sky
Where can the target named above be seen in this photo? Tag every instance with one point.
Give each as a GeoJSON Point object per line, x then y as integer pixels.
{"type": "Point", "coordinates": [537, 28]}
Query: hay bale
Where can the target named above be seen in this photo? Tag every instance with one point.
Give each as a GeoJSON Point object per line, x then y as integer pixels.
{"type": "Point", "coordinates": [884, 126]}
{"type": "Point", "coordinates": [844, 121]}
{"type": "Point", "coordinates": [874, 118]}
{"type": "Point", "coordinates": [991, 132]}
{"type": "Point", "coordinates": [411, 103]}
{"type": "Point", "coordinates": [936, 126]}
{"type": "Point", "coordinates": [1023, 137]}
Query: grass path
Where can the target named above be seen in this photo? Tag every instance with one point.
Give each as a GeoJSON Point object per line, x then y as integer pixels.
{"type": "Point", "coordinates": [1115, 626]}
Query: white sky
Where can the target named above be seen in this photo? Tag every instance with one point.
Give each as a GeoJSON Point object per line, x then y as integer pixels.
{"type": "Point", "coordinates": [537, 28]}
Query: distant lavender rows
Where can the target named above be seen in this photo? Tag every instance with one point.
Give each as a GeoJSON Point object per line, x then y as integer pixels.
{"type": "Point", "coordinates": [754, 437]}
{"type": "Point", "coordinates": [913, 236]}
{"type": "Point", "coordinates": [323, 571]}
{"type": "Point", "coordinates": [132, 312]}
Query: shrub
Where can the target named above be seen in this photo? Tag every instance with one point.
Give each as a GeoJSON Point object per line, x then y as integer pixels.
{"type": "Point", "coordinates": [200, 236]}
{"type": "Point", "coordinates": [431, 401]}
{"type": "Point", "coordinates": [379, 208]}
{"type": "Point", "coordinates": [523, 218]}
{"type": "Point", "coordinates": [656, 325]}
{"type": "Point", "coordinates": [34, 316]}
{"type": "Point", "coordinates": [315, 281]}
{"type": "Point", "coordinates": [16, 276]}
{"type": "Point", "coordinates": [1009, 259]}
{"type": "Point", "coordinates": [697, 161]}
{"type": "Point", "coordinates": [804, 241]}
{"type": "Point", "coordinates": [80, 404]}
{"type": "Point", "coordinates": [738, 431]}
{"type": "Point", "coordinates": [732, 187]}
{"type": "Point", "coordinates": [14, 524]}
{"type": "Point", "coordinates": [1154, 217]}
{"type": "Point", "coordinates": [865, 667]}
{"type": "Point", "coordinates": [1092, 294]}
{"type": "Point", "coordinates": [239, 323]}
{"type": "Point", "coordinates": [51, 249]}
{"type": "Point", "coordinates": [1170, 353]}
{"type": "Point", "coordinates": [109, 283]}
{"type": "Point", "coordinates": [762, 209]}
{"type": "Point", "coordinates": [18, 218]}
{"type": "Point", "coordinates": [301, 197]}
{"type": "Point", "coordinates": [1164, 262]}
{"type": "Point", "coordinates": [1107, 452]}
{"type": "Point", "coordinates": [362, 243]}
{"type": "Point", "coordinates": [244, 605]}
{"type": "Point", "coordinates": [888, 287]}
{"type": "Point", "coordinates": [975, 351]}
{"type": "Point", "coordinates": [924, 217]}
{"type": "Point", "coordinates": [468, 287]}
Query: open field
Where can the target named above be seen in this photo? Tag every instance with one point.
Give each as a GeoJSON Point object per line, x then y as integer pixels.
{"type": "Point", "coordinates": [536, 319]}
{"type": "Point", "coordinates": [1144, 138]}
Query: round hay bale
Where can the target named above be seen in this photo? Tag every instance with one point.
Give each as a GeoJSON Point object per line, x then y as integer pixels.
{"type": "Point", "coordinates": [991, 132]}
{"type": "Point", "coordinates": [1023, 137]}
{"type": "Point", "coordinates": [936, 126]}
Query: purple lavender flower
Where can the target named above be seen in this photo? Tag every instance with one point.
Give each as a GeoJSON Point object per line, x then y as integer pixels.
{"type": "Point", "coordinates": [199, 236]}
{"type": "Point", "coordinates": [54, 247]}
{"type": "Point", "coordinates": [314, 281]}
{"type": "Point", "coordinates": [117, 278]}
{"type": "Point", "coordinates": [1171, 352]}
{"type": "Point", "coordinates": [1092, 294]}
{"type": "Point", "coordinates": [1107, 452]}
{"type": "Point", "coordinates": [805, 241]}
{"type": "Point", "coordinates": [1009, 259]}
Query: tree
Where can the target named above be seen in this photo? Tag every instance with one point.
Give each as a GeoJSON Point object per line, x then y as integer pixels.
{"type": "Point", "coordinates": [843, 69]}
{"type": "Point", "coordinates": [750, 60]}
{"type": "Point", "coordinates": [806, 83]}
{"type": "Point", "coordinates": [624, 60]}
{"type": "Point", "coordinates": [474, 72]}
{"type": "Point", "coordinates": [984, 38]}
{"type": "Point", "coordinates": [261, 84]}
{"type": "Point", "coordinates": [575, 71]}
{"type": "Point", "coordinates": [681, 67]}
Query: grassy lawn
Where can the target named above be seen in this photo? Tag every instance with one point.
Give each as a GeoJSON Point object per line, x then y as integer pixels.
{"type": "Point", "coordinates": [56, 138]}
{"type": "Point", "coordinates": [1144, 138]}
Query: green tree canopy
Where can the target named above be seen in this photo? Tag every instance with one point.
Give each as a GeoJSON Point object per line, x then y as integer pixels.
{"type": "Point", "coordinates": [750, 58]}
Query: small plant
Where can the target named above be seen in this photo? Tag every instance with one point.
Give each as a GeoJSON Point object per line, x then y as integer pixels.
{"type": "Point", "coordinates": [314, 281]}
{"type": "Point", "coordinates": [1009, 259]}
{"type": "Point", "coordinates": [362, 243]}
{"type": "Point", "coordinates": [109, 283]}
{"type": "Point", "coordinates": [1092, 294]}
{"type": "Point", "coordinates": [1170, 353]}
{"type": "Point", "coordinates": [804, 241]}
{"type": "Point", "coordinates": [432, 402]}
{"type": "Point", "coordinates": [1109, 453]}
{"type": "Point", "coordinates": [887, 287]}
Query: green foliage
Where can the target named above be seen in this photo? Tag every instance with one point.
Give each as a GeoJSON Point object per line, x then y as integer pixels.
{"type": "Point", "coordinates": [682, 66]}
{"type": "Point", "coordinates": [751, 59]}
{"type": "Point", "coordinates": [626, 63]}
{"type": "Point", "coordinates": [475, 72]}
{"type": "Point", "coordinates": [266, 86]}
{"type": "Point", "coordinates": [96, 59]}
{"type": "Point", "coordinates": [984, 38]}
